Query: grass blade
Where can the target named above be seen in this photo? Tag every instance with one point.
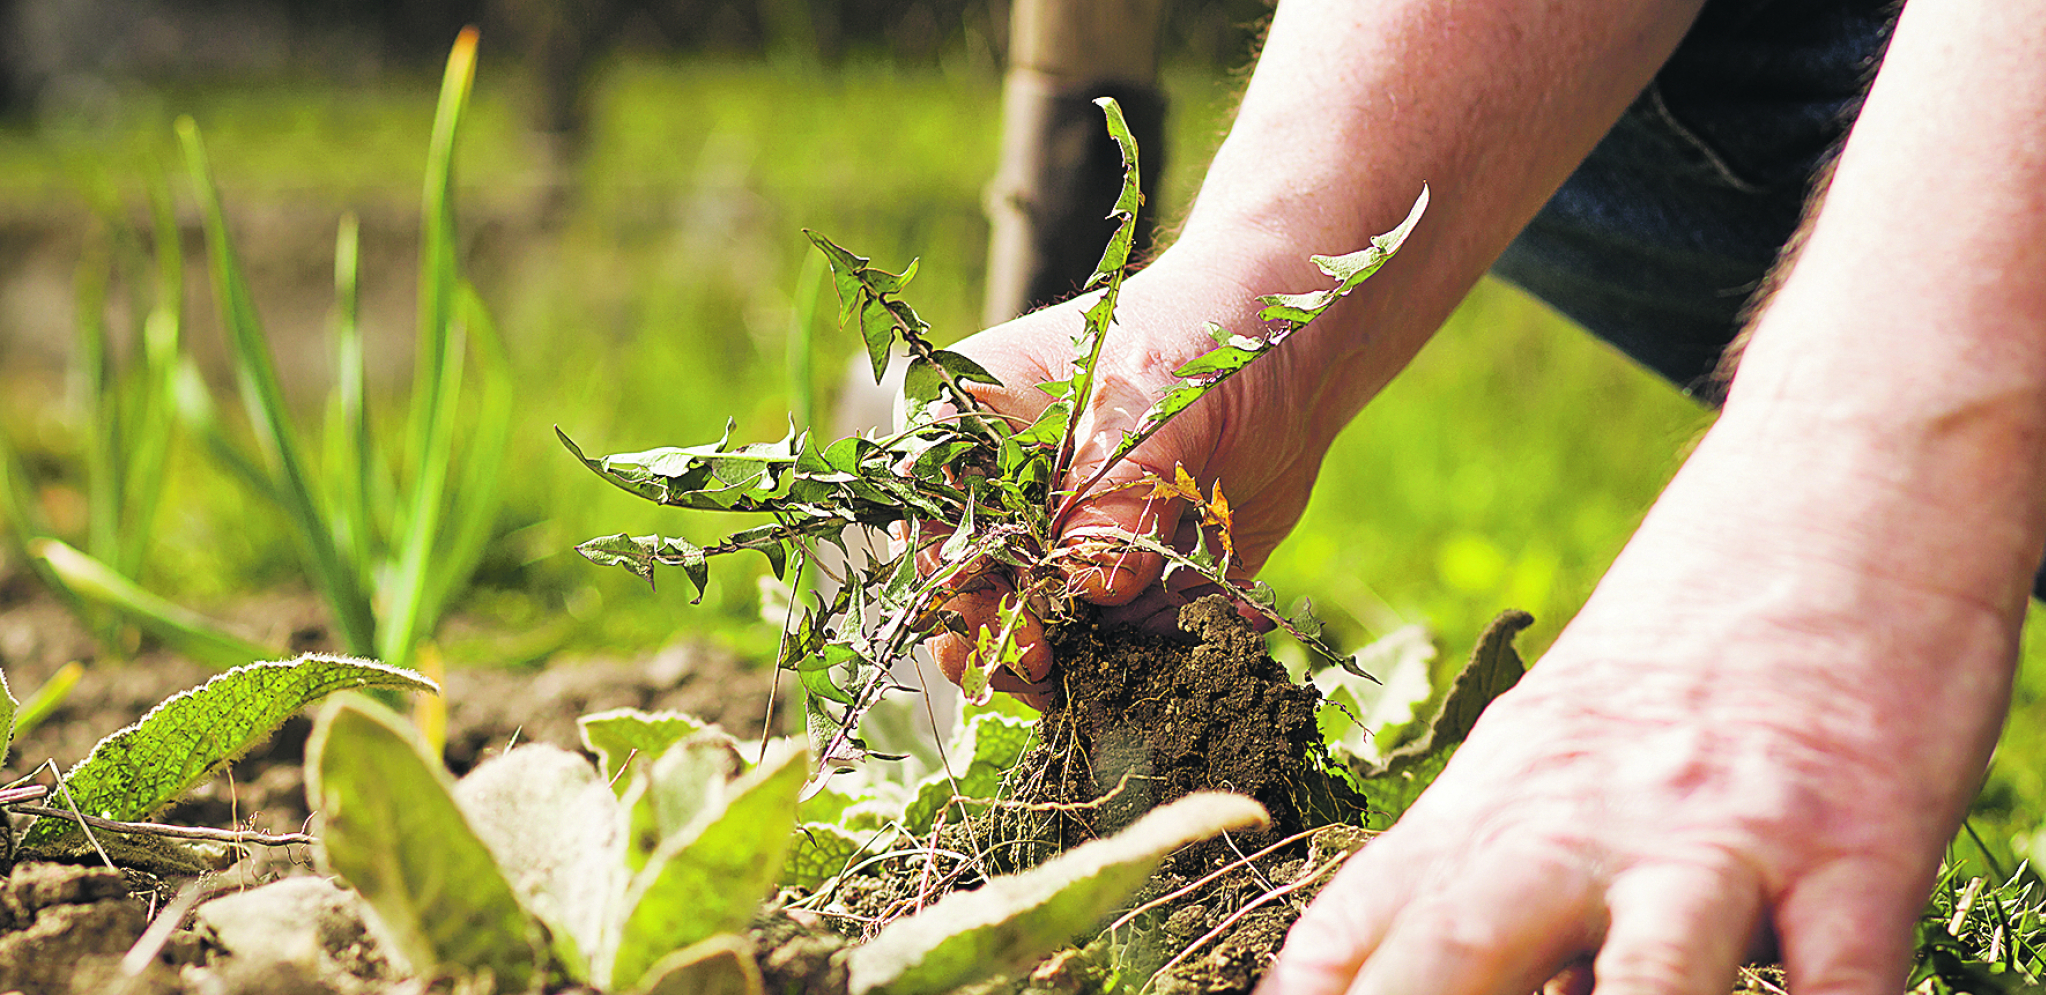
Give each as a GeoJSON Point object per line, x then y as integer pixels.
{"type": "Point", "coordinates": [437, 373]}
{"type": "Point", "coordinates": [257, 373]}
{"type": "Point", "coordinates": [148, 449]}
{"type": "Point", "coordinates": [351, 450]}
{"type": "Point", "coordinates": [473, 506]}
{"type": "Point", "coordinates": [46, 698]}
{"type": "Point", "coordinates": [96, 386]}
{"type": "Point", "coordinates": [179, 628]}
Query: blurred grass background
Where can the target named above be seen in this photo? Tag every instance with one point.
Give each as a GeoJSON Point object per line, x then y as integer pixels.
{"type": "Point", "coordinates": [650, 298]}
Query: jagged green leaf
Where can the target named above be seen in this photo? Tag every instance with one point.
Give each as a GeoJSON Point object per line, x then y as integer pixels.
{"type": "Point", "coordinates": [1348, 271]}
{"type": "Point", "coordinates": [559, 837]}
{"type": "Point", "coordinates": [620, 734]}
{"type": "Point", "coordinates": [392, 830]}
{"type": "Point", "coordinates": [698, 885]}
{"type": "Point", "coordinates": [1014, 919]}
{"type": "Point", "coordinates": [641, 554]}
{"type": "Point", "coordinates": [135, 772]}
{"type": "Point", "coordinates": [1495, 666]}
{"type": "Point", "coordinates": [1292, 312]}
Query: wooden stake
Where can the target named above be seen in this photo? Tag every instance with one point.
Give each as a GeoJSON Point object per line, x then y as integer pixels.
{"type": "Point", "coordinates": [1060, 171]}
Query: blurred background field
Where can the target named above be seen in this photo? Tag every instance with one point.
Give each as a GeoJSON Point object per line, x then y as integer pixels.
{"type": "Point", "coordinates": [643, 269]}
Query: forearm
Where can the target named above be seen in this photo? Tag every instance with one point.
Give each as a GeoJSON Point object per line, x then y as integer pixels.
{"type": "Point", "coordinates": [1891, 407]}
{"type": "Point", "coordinates": [1354, 105]}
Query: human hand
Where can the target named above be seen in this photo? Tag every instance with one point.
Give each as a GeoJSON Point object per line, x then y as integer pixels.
{"type": "Point", "coordinates": [1260, 434]}
{"type": "Point", "coordinates": [1732, 747]}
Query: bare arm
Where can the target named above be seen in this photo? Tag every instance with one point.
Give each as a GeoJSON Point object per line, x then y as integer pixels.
{"type": "Point", "coordinates": [1355, 105]}
{"type": "Point", "coordinates": [1774, 710]}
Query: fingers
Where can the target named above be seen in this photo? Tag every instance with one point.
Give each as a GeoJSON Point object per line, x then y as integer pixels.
{"type": "Point", "coordinates": [1677, 928]}
{"type": "Point", "coordinates": [1846, 927]}
{"type": "Point", "coordinates": [1503, 926]}
{"type": "Point", "coordinates": [1518, 916]}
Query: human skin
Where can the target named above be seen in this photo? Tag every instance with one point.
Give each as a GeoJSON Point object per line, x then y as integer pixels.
{"type": "Point", "coordinates": [1770, 716]}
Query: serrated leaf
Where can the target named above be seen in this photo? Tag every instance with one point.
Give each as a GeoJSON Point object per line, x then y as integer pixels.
{"type": "Point", "coordinates": [135, 772]}
{"type": "Point", "coordinates": [1014, 919]}
{"type": "Point", "coordinates": [696, 887]}
{"type": "Point", "coordinates": [619, 734]}
{"type": "Point", "coordinates": [392, 830]}
{"type": "Point", "coordinates": [559, 836]}
{"type": "Point", "coordinates": [721, 965]}
{"type": "Point", "coordinates": [641, 554]}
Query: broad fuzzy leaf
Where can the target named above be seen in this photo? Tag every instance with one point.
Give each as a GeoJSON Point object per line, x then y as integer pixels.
{"type": "Point", "coordinates": [1356, 710]}
{"type": "Point", "coordinates": [618, 735]}
{"type": "Point", "coordinates": [559, 837]}
{"type": "Point", "coordinates": [138, 770]}
{"type": "Point", "coordinates": [1495, 666]}
{"type": "Point", "coordinates": [391, 829]}
{"type": "Point", "coordinates": [1017, 918]}
{"type": "Point", "coordinates": [817, 853]}
{"type": "Point", "coordinates": [721, 965]}
{"type": "Point", "coordinates": [696, 886]}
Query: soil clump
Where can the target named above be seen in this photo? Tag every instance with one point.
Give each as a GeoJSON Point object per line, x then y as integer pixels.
{"type": "Point", "coordinates": [1139, 720]}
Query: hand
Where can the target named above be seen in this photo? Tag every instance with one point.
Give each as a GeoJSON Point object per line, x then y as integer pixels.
{"type": "Point", "coordinates": [1730, 744]}
{"type": "Point", "coordinates": [1260, 434]}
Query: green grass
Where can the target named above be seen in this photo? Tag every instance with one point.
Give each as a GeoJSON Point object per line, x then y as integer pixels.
{"type": "Point", "coordinates": [1505, 469]}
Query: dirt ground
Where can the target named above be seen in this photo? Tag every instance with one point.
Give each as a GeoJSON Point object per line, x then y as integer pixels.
{"type": "Point", "coordinates": [1141, 720]}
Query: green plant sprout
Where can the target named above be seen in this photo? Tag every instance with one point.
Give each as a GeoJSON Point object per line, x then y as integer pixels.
{"type": "Point", "coordinates": [957, 479]}
{"type": "Point", "coordinates": [385, 554]}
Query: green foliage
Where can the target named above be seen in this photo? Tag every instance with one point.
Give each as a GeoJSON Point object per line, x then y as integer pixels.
{"type": "Point", "coordinates": [1981, 938]}
{"type": "Point", "coordinates": [370, 548]}
{"type": "Point", "coordinates": [1014, 919]}
{"type": "Point", "coordinates": [135, 772]}
{"type": "Point", "coordinates": [956, 482]}
{"type": "Point", "coordinates": [532, 867]}
{"type": "Point", "coordinates": [1390, 785]}
{"type": "Point", "coordinates": [621, 734]}
{"type": "Point", "coordinates": [392, 830]}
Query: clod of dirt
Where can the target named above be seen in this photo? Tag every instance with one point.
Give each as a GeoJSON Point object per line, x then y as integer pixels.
{"type": "Point", "coordinates": [67, 928]}
{"type": "Point", "coordinates": [1142, 719]}
{"type": "Point", "coordinates": [297, 934]}
{"type": "Point", "coordinates": [797, 954]}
